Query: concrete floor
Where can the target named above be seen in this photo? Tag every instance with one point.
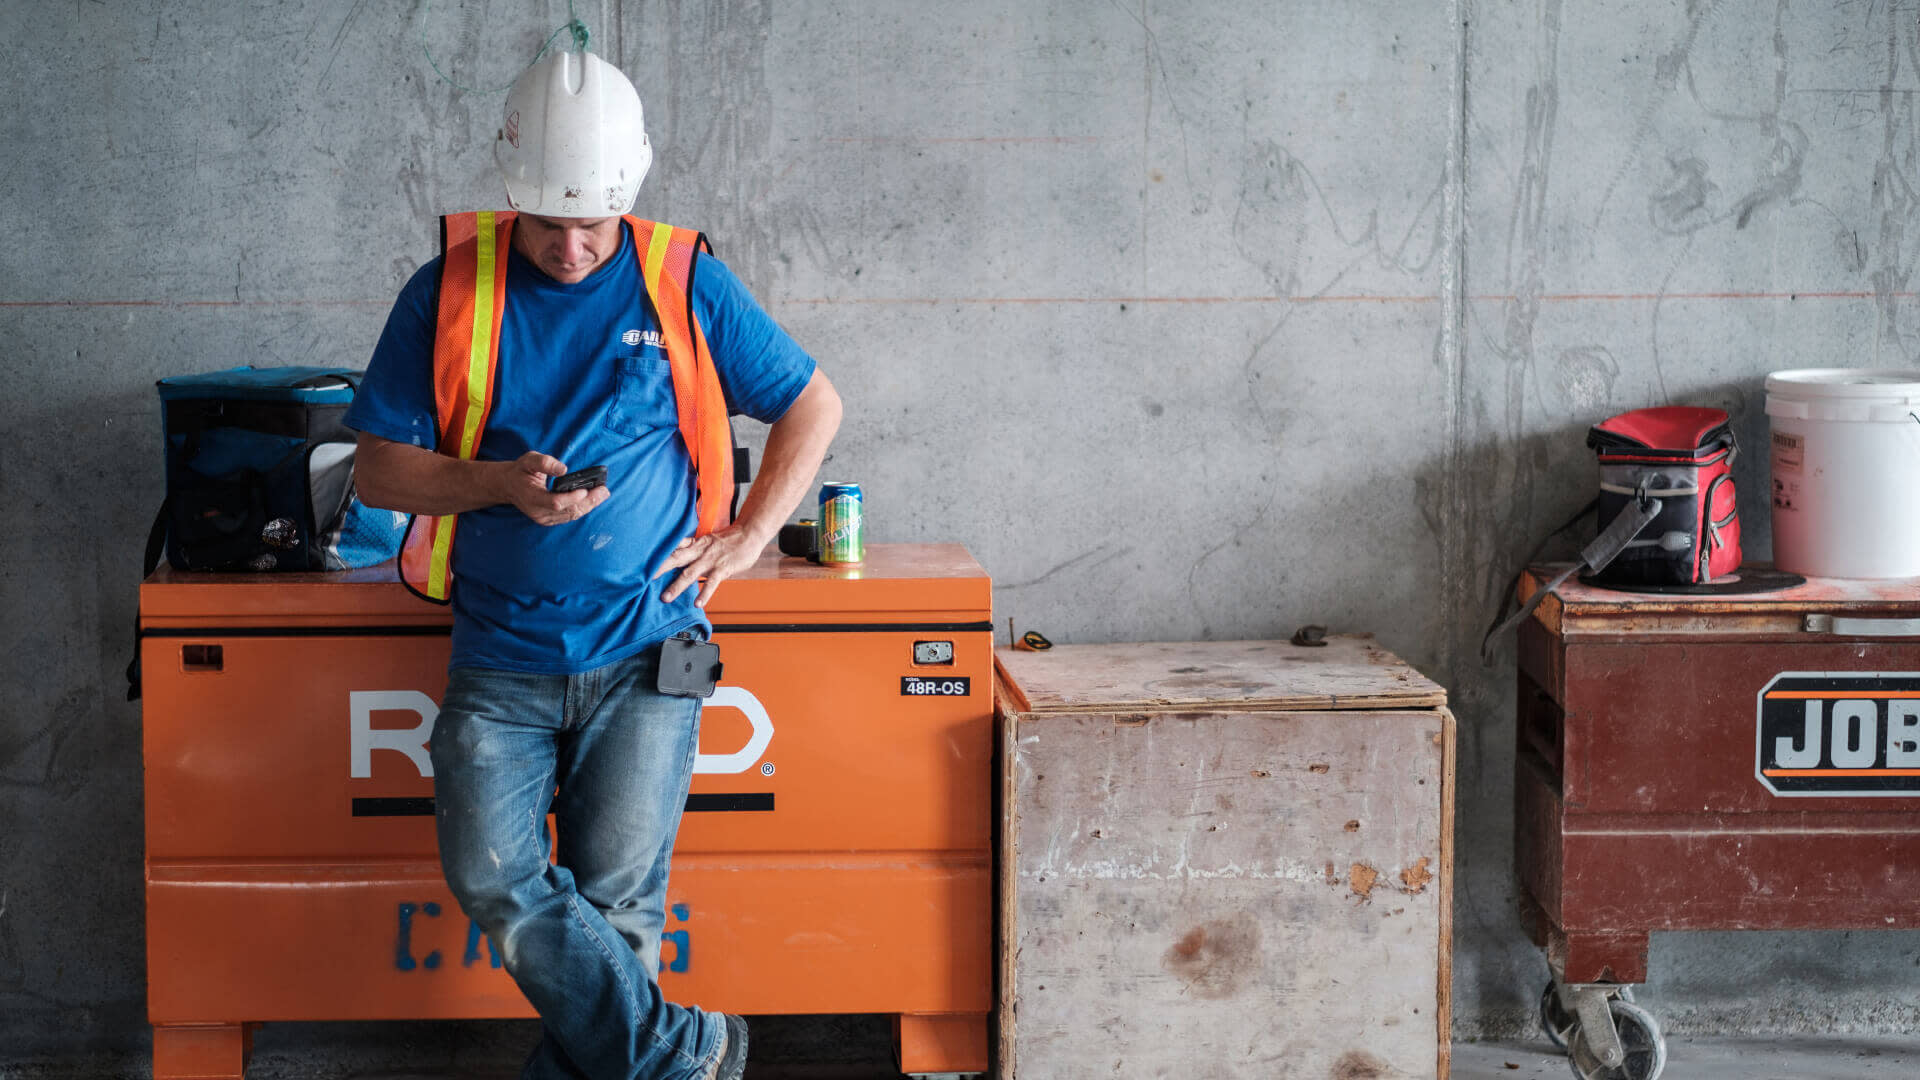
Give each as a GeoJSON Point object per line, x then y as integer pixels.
{"type": "Point", "coordinates": [1805, 1057]}
{"type": "Point", "coordinates": [1799, 1058]}
{"type": "Point", "coordinates": [1802, 1058]}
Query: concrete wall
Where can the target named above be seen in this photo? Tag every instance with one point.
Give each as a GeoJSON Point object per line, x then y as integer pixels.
{"type": "Point", "coordinates": [1193, 320]}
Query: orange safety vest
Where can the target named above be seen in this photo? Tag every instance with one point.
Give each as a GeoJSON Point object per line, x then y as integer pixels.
{"type": "Point", "coordinates": [466, 357]}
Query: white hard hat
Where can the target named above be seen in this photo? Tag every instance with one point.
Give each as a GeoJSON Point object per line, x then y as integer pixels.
{"type": "Point", "coordinates": [574, 143]}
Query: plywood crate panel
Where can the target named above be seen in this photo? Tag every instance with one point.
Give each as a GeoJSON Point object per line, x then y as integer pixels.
{"type": "Point", "coordinates": [1223, 860]}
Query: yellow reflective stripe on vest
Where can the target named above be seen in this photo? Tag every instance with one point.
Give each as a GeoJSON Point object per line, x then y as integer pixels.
{"type": "Point", "coordinates": [479, 385]}
{"type": "Point", "coordinates": [656, 256]}
{"type": "Point", "coordinates": [478, 353]}
{"type": "Point", "coordinates": [442, 556]}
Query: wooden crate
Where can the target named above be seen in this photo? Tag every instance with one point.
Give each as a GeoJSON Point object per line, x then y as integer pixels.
{"type": "Point", "coordinates": [1224, 859]}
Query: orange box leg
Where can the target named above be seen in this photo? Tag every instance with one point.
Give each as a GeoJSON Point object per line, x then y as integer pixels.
{"type": "Point", "coordinates": [201, 1051]}
{"type": "Point", "coordinates": [943, 1043]}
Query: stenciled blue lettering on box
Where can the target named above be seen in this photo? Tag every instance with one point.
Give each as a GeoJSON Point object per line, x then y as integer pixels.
{"type": "Point", "coordinates": [404, 938]}
{"type": "Point", "coordinates": [472, 955]}
{"type": "Point", "coordinates": [403, 944]}
{"type": "Point", "coordinates": [682, 944]}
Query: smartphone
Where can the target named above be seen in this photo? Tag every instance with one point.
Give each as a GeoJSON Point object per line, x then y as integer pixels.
{"type": "Point", "coordinates": [688, 668]}
{"type": "Point", "coordinates": [590, 477]}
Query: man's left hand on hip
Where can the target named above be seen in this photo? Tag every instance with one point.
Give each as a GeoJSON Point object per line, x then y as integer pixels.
{"type": "Point", "coordinates": [709, 560]}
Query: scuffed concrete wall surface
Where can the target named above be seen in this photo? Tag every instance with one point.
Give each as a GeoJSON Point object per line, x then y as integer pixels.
{"type": "Point", "coordinates": [1192, 320]}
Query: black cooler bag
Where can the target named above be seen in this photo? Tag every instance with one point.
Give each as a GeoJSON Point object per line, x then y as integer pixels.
{"type": "Point", "coordinates": [260, 474]}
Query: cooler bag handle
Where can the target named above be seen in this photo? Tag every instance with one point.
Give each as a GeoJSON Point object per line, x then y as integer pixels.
{"type": "Point", "coordinates": [1593, 558]}
{"type": "Point", "coordinates": [315, 382]}
{"type": "Point", "coordinates": [156, 546]}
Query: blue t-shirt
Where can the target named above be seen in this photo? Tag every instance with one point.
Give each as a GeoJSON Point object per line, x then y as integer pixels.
{"type": "Point", "coordinates": [582, 376]}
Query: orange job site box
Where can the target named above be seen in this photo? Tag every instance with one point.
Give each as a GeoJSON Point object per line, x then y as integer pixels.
{"type": "Point", "coordinates": [835, 855]}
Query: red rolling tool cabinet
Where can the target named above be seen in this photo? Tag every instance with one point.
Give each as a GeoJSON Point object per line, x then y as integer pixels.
{"type": "Point", "coordinates": [1708, 763]}
{"type": "Point", "coordinates": [835, 858]}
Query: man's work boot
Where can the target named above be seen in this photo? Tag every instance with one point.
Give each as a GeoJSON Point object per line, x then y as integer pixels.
{"type": "Point", "coordinates": [733, 1049]}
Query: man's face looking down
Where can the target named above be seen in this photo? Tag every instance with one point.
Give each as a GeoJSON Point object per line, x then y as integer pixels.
{"type": "Point", "coordinates": [566, 249]}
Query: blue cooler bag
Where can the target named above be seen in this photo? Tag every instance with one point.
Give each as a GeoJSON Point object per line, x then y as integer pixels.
{"type": "Point", "coordinates": [260, 474]}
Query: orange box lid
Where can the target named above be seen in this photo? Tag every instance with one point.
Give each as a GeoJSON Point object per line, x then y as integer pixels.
{"type": "Point", "coordinates": [932, 583]}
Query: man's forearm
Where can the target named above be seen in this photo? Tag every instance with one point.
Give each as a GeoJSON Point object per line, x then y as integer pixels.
{"type": "Point", "coordinates": [414, 480]}
{"type": "Point", "coordinates": [796, 444]}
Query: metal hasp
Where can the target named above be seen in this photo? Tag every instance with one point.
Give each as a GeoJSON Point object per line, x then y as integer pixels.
{"type": "Point", "coordinates": [1734, 762]}
{"type": "Point", "coordinates": [835, 857]}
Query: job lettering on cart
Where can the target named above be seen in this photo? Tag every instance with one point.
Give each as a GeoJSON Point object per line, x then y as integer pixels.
{"type": "Point", "coordinates": [1840, 734]}
{"type": "Point", "coordinates": [1849, 736]}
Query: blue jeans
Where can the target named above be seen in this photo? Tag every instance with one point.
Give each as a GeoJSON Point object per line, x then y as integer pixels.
{"type": "Point", "coordinates": [581, 938]}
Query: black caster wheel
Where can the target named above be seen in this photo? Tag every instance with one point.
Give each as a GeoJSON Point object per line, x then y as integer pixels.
{"type": "Point", "coordinates": [1554, 1020]}
{"type": "Point", "coordinates": [1646, 1048]}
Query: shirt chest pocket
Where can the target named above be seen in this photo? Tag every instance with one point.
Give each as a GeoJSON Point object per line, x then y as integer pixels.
{"type": "Point", "coordinates": [642, 397]}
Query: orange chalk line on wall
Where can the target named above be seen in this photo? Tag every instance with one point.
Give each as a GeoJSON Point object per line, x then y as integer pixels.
{"type": "Point", "coordinates": [1547, 298]}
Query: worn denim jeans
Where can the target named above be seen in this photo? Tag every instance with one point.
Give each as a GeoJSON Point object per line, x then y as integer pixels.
{"type": "Point", "coordinates": [581, 938]}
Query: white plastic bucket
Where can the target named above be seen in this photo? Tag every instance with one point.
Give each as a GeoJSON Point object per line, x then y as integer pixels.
{"type": "Point", "coordinates": [1846, 472]}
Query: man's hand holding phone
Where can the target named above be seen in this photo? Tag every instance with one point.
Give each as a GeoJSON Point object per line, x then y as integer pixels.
{"type": "Point", "coordinates": [589, 477]}
{"type": "Point", "coordinates": [542, 488]}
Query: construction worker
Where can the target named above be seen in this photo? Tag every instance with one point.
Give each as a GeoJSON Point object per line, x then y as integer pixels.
{"type": "Point", "coordinates": [560, 337]}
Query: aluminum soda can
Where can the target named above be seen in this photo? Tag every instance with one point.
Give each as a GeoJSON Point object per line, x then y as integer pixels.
{"type": "Point", "coordinates": [843, 524]}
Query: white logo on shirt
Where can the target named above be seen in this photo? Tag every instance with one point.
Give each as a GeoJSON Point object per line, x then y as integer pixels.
{"type": "Point", "coordinates": [643, 337]}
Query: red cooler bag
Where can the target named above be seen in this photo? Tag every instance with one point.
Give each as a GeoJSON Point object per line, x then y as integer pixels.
{"type": "Point", "coordinates": [1682, 457]}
